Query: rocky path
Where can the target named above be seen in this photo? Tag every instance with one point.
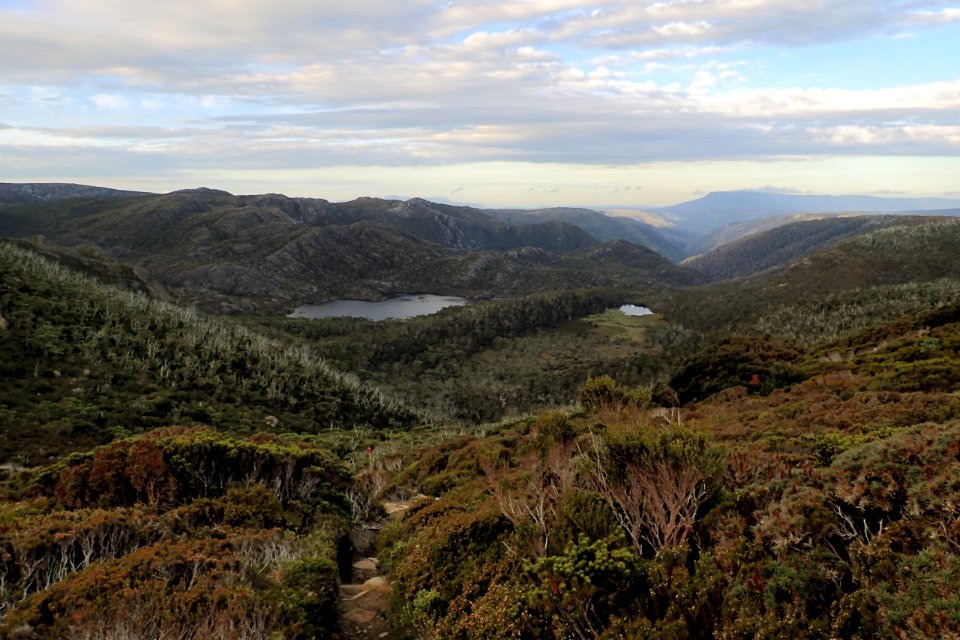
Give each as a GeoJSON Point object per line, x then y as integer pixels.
{"type": "Point", "coordinates": [364, 602]}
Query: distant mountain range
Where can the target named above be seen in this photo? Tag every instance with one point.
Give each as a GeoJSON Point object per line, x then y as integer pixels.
{"type": "Point", "coordinates": [724, 207]}
{"type": "Point", "coordinates": [118, 221]}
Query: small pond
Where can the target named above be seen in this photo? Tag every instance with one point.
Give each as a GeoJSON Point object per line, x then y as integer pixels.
{"type": "Point", "coordinates": [399, 307]}
{"type": "Point", "coordinates": [634, 310]}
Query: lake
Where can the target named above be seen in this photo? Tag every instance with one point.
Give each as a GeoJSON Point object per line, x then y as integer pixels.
{"type": "Point", "coordinates": [399, 307]}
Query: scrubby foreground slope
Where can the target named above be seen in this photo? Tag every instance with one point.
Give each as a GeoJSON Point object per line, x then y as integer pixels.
{"type": "Point", "coordinates": [179, 534]}
{"type": "Point", "coordinates": [825, 508]}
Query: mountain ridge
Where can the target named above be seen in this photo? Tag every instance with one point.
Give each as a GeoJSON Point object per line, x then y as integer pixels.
{"type": "Point", "coordinates": [232, 253]}
{"type": "Point", "coordinates": [684, 229]}
{"type": "Point", "coordinates": [12, 192]}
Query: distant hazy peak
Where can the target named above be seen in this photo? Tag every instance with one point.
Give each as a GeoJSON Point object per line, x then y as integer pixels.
{"type": "Point", "coordinates": [203, 191]}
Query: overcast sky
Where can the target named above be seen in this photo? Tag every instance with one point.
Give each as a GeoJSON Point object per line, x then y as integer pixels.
{"type": "Point", "coordinates": [491, 102]}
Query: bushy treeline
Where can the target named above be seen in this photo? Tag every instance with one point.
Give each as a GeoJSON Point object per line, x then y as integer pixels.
{"type": "Point", "coordinates": [489, 359]}
{"type": "Point", "coordinates": [465, 329]}
{"type": "Point", "coordinates": [181, 532]}
{"type": "Point", "coordinates": [82, 362]}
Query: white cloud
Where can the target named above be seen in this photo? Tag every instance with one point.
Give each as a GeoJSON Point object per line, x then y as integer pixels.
{"type": "Point", "coordinates": [935, 97]}
{"type": "Point", "coordinates": [702, 82]}
{"type": "Point", "coordinates": [944, 16]}
{"type": "Point", "coordinates": [683, 30]}
{"type": "Point", "coordinates": [28, 138]}
{"type": "Point", "coordinates": [500, 40]}
{"type": "Point", "coordinates": [110, 101]}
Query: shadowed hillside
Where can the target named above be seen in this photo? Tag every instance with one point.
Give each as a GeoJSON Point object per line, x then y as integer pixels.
{"type": "Point", "coordinates": [603, 227]}
{"type": "Point", "coordinates": [231, 253]}
{"type": "Point", "coordinates": [907, 266]}
{"type": "Point", "coordinates": [781, 246]}
{"type": "Point", "coordinates": [82, 363]}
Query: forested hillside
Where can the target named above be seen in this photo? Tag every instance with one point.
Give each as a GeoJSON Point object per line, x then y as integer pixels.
{"type": "Point", "coordinates": [82, 363]}
{"type": "Point", "coordinates": [492, 359]}
{"type": "Point", "coordinates": [781, 246]}
{"type": "Point", "coordinates": [907, 267]}
{"type": "Point", "coordinates": [667, 241]}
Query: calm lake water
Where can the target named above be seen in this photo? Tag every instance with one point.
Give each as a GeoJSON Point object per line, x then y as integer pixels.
{"type": "Point", "coordinates": [634, 310]}
{"type": "Point", "coordinates": [399, 307]}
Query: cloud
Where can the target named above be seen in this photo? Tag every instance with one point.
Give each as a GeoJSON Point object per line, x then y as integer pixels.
{"type": "Point", "coordinates": [257, 85]}
{"type": "Point", "coordinates": [782, 190]}
{"type": "Point", "coordinates": [182, 45]}
{"type": "Point", "coordinates": [108, 101]}
{"type": "Point", "coordinates": [936, 18]}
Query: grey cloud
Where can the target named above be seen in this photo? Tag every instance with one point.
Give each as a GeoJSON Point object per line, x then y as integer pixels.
{"type": "Point", "coordinates": [142, 133]}
{"type": "Point", "coordinates": [188, 46]}
{"type": "Point", "coordinates": [19, 162]}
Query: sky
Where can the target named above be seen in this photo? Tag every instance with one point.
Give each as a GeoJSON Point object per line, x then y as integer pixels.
{"type": "Point", "coordinates": [527, 103]}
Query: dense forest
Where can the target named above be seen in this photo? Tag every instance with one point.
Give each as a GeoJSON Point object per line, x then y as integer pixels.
{"type": "Point", "coordinates": [492, 359]}
{"type": "Point", "coordinates": [775, 456]}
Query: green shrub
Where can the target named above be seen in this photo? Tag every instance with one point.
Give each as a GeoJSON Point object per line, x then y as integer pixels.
{"type": "Point", "coordinates": [583, 586]}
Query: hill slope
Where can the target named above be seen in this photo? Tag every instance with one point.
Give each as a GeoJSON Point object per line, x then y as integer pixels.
{"type": "Point", "coordinates": [81, 363]}
{"type": "Point", "coordinates": [904, 267]}
{"type": "Point", "coordinates": [822, 508]}
{"type": "Point", "coordinates": [602, 227]}
{"type": "Point", "coordinates": [781, 245]}
{"type": "Point", "coordinates": [53, 191]}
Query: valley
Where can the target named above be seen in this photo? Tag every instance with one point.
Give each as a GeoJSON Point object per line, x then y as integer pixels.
{"type": "Point", "coordinates": [772, 451]}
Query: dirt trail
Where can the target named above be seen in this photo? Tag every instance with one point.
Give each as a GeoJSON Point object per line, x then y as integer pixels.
{"type": "Point", "coordinates": [364, 603]}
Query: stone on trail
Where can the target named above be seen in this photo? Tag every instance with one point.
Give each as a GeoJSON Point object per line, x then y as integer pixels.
{"type": "Point", "coordinates": [367, 564]}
